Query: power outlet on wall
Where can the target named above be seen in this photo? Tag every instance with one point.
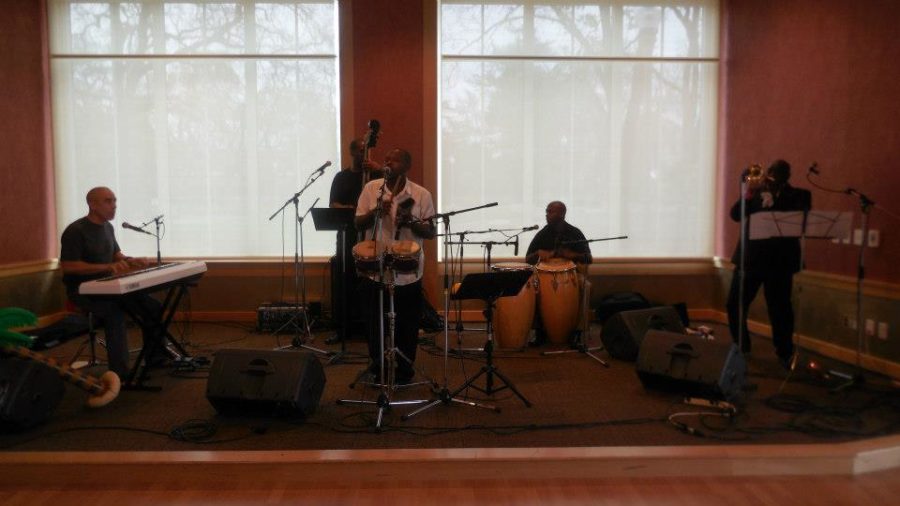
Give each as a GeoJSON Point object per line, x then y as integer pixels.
{"type": "Point", "coordinates": [882, 330]}
{"type": "Point", "coordinates": [874, 239]}
{"type": "Point", "coordinates": [870, 327]}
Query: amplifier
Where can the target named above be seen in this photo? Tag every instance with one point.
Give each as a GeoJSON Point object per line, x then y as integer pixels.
{"type": "Point", "coordinates": [278, 316]}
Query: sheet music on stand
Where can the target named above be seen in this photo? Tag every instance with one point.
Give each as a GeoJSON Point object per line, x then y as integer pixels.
{"type": "Point", "coordinates": [819, 224]}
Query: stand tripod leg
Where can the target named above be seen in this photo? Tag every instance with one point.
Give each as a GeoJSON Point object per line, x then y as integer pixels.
{"type": "Point", "coordinates": [581, 346]}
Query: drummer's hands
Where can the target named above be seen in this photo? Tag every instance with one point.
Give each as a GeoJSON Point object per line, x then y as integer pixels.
{"type": "Point", "coordinates": [545, 254]}
{"type": "Point", "coordinates": [423, 229]}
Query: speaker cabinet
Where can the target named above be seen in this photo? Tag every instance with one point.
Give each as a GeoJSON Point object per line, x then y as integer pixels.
{"type": "Point", "coordinates": [623, 332]}
{"type": "Point", "coordinates": [691, 365]}
{"type": "Point", "coordinates": [265, 382]}
{"type": "Point", "coordinates": [29, 393]}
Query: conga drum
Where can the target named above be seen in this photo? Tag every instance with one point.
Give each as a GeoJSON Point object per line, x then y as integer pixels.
{"type": "Point", "coordinates": [513, 315]}
{"type": "Point", "coordinates": [558, 294]}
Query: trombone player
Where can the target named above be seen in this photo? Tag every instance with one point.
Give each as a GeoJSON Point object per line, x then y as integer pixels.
{"type": "Point", "coordinates": [768, 263]}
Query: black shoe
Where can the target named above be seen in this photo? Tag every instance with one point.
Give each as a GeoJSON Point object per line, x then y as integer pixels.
{"type": "Point", "coordinates": [404, 375]}
{"type": "Point", "coordinates": [158, 361]}
{"type": "Point", "coordinates": [786, 363]}
{"type": "Point", "coordinates": [335, 339]}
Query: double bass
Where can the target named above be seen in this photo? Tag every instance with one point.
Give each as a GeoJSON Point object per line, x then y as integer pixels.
{"type": "Point", "coordinates": [370, 140]}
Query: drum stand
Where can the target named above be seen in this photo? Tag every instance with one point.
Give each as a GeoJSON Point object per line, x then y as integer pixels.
{"type": "Point", "coordinates": [579, 344]}
{"type": "Point", "coordinates": [386, 380]}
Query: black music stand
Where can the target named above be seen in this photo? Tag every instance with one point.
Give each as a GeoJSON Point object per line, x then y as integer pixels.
{"type": "Point", "coordinates": [341, 220]}
{"type": "Point", "coordinates": [490, 286]}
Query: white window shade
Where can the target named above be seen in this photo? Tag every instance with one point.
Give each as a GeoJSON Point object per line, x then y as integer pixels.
{"type": "Point", "coordinates": [211, 113]}
{"type": "Point", "coordinates": [606, 106]}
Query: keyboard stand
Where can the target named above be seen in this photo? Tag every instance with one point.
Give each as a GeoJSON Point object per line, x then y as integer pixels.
{"type": "Point", "coordinates": [138, 374]}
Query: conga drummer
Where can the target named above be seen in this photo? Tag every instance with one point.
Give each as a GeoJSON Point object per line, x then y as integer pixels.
{"type": "Point", "coordinates": [556, 252]}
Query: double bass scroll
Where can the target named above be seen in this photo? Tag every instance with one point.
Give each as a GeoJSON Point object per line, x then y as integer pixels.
{"type": "Point", "coordinates": [370, 141]}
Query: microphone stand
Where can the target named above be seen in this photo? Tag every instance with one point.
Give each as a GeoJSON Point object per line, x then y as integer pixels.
{"type": "Point", "coordinates": [157, 222]}
{"type": "Point", "coordinates": [444, 396]}
{"type": "Point", "coordinates": [297, 341]}
{"type": "Point", "coordinates": [866, 204]}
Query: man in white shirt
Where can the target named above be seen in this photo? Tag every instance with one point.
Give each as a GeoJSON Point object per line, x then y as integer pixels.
{"type": "Point", "coordinates": [404, 205]}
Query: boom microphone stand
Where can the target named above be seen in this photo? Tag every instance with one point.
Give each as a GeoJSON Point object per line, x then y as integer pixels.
{"type": "Point", "coordinates": [297, 341]}
{"type": "Point", "coordinates": [444, 396]}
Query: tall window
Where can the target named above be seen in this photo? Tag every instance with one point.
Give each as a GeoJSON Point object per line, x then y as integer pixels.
{"type": "Point", "coordinates": [608, 106]}
{"type": "Point", "coordinates": [210, 112]}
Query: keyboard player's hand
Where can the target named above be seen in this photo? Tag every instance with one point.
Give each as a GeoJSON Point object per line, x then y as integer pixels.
{"type": "Point", "coordinates": [119, 267]}
{"type": "Point", "coordinates": [137, 262]}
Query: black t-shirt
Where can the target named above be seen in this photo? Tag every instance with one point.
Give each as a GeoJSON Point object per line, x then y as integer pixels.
{"type": "Point", "coordinates": [551, 237]}
{"type": "Point", "coordinates": [346, 187]}
{"type": "Point", "coordinates": [85, 241]}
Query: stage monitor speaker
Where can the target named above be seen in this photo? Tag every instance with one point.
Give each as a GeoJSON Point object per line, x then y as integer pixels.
{"type": "Point", "coordinates": [265, 382]}
{"type": "Point", "coordinates": [691, 364]}
{"type": "Point", "coordinates": [623, 332]}
{"type": "Point", "coordinates": [29, 393]}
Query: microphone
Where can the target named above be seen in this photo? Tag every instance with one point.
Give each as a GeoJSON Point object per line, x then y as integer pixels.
{"type": "Point", "coordinates": [516, 247]}
{"type": "Point", "coordinates": [814, 168]}
{"type": "Point", "coordinates": [321, 169]}
{"type": "Point", "coordinates": [533, 227]}
{"type": "Point", "coordinates": [129, 226]}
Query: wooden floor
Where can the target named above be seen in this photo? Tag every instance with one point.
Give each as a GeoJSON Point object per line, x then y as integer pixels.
{"type": "Point", "coordinates": [848, 473]}
{"type": "Point", "coordinates": [875, 489]}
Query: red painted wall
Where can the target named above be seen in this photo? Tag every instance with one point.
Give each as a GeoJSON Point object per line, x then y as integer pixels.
{"type": "Point", "coordinates": [816, 80]}
{"type": "Point", "coordinates": [26, 184]}
{"type": "Point", "coordinates": [805, 80]}
{"type": "Point", "coordinates": [387, 72]}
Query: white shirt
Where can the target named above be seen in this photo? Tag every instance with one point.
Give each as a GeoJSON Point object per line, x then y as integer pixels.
{"type": "Point", "coordinates": [423, 207]}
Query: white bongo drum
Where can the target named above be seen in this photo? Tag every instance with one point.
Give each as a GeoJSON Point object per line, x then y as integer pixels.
{"type": "Point", "coordinates": [405, 256]}
{"type": "Point", "coordinates": [365, 258]}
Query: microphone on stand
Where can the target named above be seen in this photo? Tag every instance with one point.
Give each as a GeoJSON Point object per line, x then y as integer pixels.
{"type": "Point", "coordinates": [516, 247]}
{"type": "Point", "coordinates": [152, 220]}
{"type": "Point", "coordinates": [533, 227]}
{"type": "Point", "coordinates": [814, 168]}
{"type": "Point", "coordinates": [129, 226]}
{"type": "Point", "coordinates": [321, 169]}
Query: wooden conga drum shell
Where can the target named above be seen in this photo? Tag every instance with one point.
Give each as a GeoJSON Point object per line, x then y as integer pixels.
{"type": "Point", "coordinates": [513, 316]}
{"type": "Point", "coordinates": [558, 294]}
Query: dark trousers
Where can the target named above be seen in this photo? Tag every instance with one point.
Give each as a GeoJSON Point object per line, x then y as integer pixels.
{"type": "Point", "coordinates": [408, 311]}
{"type": "Point", "coordinates": [112, 311]}
{"type": "Point", "coordinates": [344, 292]}
{"type": "Point", "coordinates": [777, 288]}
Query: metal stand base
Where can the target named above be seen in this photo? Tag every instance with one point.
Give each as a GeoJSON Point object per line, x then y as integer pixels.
{"type": "Point", "coordinates": [580, 346]}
